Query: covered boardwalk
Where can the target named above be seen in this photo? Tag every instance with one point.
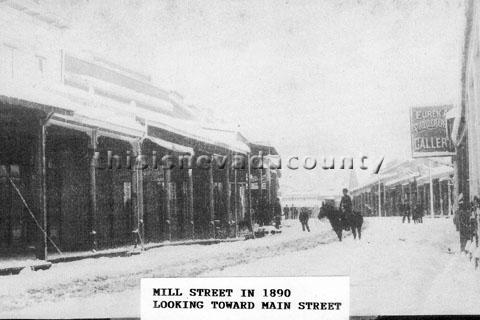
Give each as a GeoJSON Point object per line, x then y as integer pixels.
{"type": "Point", "coordinates": [104, 159]}
{"type": "Point", "coordinates": [407, 182]}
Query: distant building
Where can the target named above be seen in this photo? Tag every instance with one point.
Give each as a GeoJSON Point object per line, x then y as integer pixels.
{"type": "Point", "coordinates": [309, 199]}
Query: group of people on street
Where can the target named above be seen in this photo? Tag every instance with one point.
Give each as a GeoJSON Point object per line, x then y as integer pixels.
{"type": "Point", "coordinates": [414, 212]}
{"type": "Point", "coordinates": [269, 213]}
{"type": "Point", "coordinates": [290, 212]}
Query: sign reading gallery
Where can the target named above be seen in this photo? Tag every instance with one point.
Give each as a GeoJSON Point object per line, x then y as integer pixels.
{"type": "Point", "coordinates": [428, 126]}
{"type": "Point", "coordinates": [245, 298]}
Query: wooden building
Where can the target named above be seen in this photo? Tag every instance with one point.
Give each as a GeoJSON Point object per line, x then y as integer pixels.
{"type": "Point", "coordinates": [464, 121]}
{"type": "Point", "coordinates": [264, 178]}
{"type": "Point", "coordinates": [94, 156]}
{"type": "Point", "coordinates": [407, 182]}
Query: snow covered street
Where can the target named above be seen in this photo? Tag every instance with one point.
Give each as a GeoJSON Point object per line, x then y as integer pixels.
{"type": "Point", "coordinates": [395, 269]}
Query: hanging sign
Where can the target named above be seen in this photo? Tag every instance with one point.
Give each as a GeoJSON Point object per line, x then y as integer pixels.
{"type": "Point", "coordinates": [428, 128]}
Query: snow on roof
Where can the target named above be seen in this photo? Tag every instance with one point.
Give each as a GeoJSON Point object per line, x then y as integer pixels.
{"type": "Point", "coordinates": [170, 145]}
{"type": "Point", "coordinates": [109, 123]}
{"type": "Point", "coordinates": [437, 173]}
{"type": "Point", "coordinates": [105, 88]}
{"type": "Point", "coordinates": [101, 116]}
{"type": "Point", "coordinates": [402, 179]}
{"type": "Point", "coordinates": [38, 95]}
{"type": "Point", "coordinates": [228, 137]}
{"type": "Point", "coordinates": [192, 129]}
{"type": "Point", "coordinates": [100, 112]}
{"type": "Point", "coordinates": [375, 179]}
{"type": "Point", "coordinates": [38, 11]}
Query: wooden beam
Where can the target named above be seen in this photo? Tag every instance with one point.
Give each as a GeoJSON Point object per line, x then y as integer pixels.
{"type": "Point", "coordinates": [138, 179]}
{"type": "Point", "coordinates": [211, 202]}
{"type": "Point", "coordinates": [42, 174]}
{"type": "Point", "coordinates": [228, 190]}
{"type": "Point", "coordinates": [249, 189]}
{"type": "Point", "coordinates": [168, 188]}
{"type": "Point", "coordinates": [190, 203]}
{"type": "Point", "coordinates": [93, 190]}
{"type": "Point", "coordinates": [235, 201]}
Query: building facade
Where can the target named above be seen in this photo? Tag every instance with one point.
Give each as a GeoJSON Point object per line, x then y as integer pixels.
{"type": "Point", "coordinates": [407, 182]}
{"type": "Point", "coordinates": [465, 122]}
{"type": "Point", "coordinates": [94, 155]}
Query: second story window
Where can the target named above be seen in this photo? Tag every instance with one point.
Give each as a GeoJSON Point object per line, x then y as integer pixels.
{"type": "Point", "coordinates": [8, 60]}
{"type": "Point", "coordinates": [41, 64]}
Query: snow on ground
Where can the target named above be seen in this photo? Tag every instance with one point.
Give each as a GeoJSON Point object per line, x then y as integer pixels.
{"type": "Point", "coordinates": [83, 283]}
{"type": "Point", "coordinates": [396, 269]}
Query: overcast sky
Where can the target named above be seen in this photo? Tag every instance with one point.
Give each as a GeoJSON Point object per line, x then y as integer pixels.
{"type": "Point", "coordinates": [312, 77]}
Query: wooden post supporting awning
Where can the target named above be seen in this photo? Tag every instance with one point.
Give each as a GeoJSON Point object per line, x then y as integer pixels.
{"type": "Point", "coordinates": [205, 142]}
{"type": "Point", "coordinates": [93, 190]}
{"type": "Point", "coordinates": [190, 218]}
{"type": "Point", "coordinates": [211, 202]}
{"type": "Point", "coordinates": [228, 198]}
{"type": "Point", "coordinates": [111, 126]}
{"type": "Point", "coordinates": [42, 175]}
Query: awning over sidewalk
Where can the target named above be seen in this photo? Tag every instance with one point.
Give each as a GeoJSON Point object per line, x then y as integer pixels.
{"type": "Point", "coordinates": [402, 180]}
{"type": "Point", "coordinates": [36, 98]}
{"type": "Point", "coordinates": [108, 124]}
{"type": "Point", "coordinates": [442, 173]}
{"type": "Point", "coordinates": [192, 130]}
{"type": "Point", "coordinates": [170, 145]}
{"type": "Point", "coordinates": [227, 138]}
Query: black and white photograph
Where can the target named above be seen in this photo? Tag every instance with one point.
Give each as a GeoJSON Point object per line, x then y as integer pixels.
{"type": "Point", "coordinates": [275, 141]}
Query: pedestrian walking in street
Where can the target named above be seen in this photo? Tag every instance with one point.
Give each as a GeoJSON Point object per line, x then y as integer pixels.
{"type": "Point", "coordinates": [277, 213]}
{"type": "Point", "coordinates": [405, 211]}
{"type": "Point", "coordinates": [294, 212]}
{"type": "Point", "coordinates": [304, 216]}
{"type": "Point", "coordinates": [473, 222]}
{"type": "Point", "coordinates": [286, 212]}
{"type": "Point", "coordinates": [263, 214]}
{"type": "Point", "coordinates": [463, 222]}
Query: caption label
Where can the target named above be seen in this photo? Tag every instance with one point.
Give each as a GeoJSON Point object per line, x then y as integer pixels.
{"type": "Point", "coordinates": [245, 298]}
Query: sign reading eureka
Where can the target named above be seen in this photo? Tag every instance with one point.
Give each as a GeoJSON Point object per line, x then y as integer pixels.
{"type": "Point", "coordinates": [428, 126]}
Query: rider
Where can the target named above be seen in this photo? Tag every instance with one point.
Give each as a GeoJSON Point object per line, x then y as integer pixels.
{"type": "Point", "coordinates": [345, 205]}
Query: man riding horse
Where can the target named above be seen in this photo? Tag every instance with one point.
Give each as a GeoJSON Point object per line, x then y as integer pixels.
{"type": "Point", "coordinates": [343, 218]}
{"type": "Point", "coordinates": [346, 207]}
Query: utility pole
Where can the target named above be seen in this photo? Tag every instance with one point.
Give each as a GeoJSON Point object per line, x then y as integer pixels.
{"type": "Point", "coordinates": [93, 190]}
{"type": "Point", "coordinates": [249, 188]}
{"type": "Point", "coordinates": [379, 198]}
{"type": "Point", "coordinates": [43, 187]}
{"type": "Point", "coordinates": [432, 214]}
{"type": "Point", "coordinates": [235, 201]}
{"type": "Point", "coordinates": [440, 197]}
{"type": "Point", "coordinates": [449, 185]}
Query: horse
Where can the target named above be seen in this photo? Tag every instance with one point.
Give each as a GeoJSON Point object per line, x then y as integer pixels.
{"type": "Point", "coordinates": [352, 221]}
